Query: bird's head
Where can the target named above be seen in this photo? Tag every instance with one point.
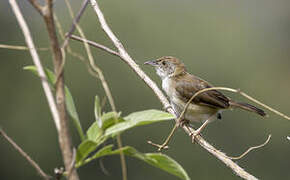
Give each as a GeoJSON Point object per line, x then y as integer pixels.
{"type": "Point", "coordinates": [167, 66]}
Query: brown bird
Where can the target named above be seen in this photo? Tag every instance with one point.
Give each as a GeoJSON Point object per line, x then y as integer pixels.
{"type": "Point", "coordinates": [180, 86]}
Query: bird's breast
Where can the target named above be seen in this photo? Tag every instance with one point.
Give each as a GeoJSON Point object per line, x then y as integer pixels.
{"type": "Point", "coordinates": [194, 112]}
{"type": "Point", "coordinates": [168, 86]}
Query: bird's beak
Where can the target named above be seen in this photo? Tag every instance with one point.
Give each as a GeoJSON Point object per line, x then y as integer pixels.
{"type": "Point", "coordinates": [152, 63]}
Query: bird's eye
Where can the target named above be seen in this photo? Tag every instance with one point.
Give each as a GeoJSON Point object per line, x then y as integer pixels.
{"type": "Point", "coordinates": [163, 63]}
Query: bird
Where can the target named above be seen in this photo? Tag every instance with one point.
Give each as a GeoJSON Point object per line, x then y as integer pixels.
{"type": "Point", "coordinates": [179, 86]}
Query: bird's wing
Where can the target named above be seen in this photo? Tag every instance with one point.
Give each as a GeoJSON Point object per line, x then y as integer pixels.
{"type": "Point", "coordinates": [187, 86]}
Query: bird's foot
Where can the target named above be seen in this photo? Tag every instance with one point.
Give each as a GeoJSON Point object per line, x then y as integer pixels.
{"type": "Point", "coordinates": [194, 134]}
{"type": "Point", "coordinates": [182, 122]}
{"type": "Point", "coordinates": [198, 131]}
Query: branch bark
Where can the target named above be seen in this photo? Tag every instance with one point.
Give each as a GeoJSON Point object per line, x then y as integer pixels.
{"type": "Point", "coordinates": [37, 63]}
{"type": "Point", "coordinates": [75, 22]}
{"type": "Point", "coordinates": [62, 126]}
{"type": "Point", "coordinates": [25, 155]}
{"type": "Point", "coordinates": [126, 57]}
{"type": "Point", "coordinates": [100, 75]}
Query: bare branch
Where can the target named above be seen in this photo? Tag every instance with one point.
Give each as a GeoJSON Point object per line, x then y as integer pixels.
{"type": "Point", "coordinates": [97, 45]}
{"type": "Point", "coordinates": [252, 148]}
{"type": "Point", "coordinates": [58, 61]}
{"type": "Point", "coordinates": [37, 6]}
{"type": "Point", "coordinates": [70, 170]}
{"type": "Point", "coordinates": [106, 89]}
{"type": "Point", "coordinates": [62, 126]}
{"type": "Point", "coordinates": [126, 57]}
{"type": "Point", "coordinates": [25, 155]}
{"type": "Point", "coordinates": [37, 62]}
{"type": "Point", "coordinates": [75, 22]}
{"type": "Point", "coordinates": [69, 50]}
{"type": "Point", "coordinates": [23, 48]}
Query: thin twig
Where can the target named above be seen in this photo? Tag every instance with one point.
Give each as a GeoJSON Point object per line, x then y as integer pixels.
{"type": "Point", "coordinates": [165, 144]}
{"type": "Point", "coordinates": [126, 57]}
{"type": "Point", "coordinates": [58, 61]}
{"type": "Point", "coordinates": [37, 6]}
{"type": "Point", "coordinates": [70, 51]}
{"type": "Point", "coordinates": [105, 86]}
{"type": "Point", "coordinates": [250, 149]}
{"type": "Point", "coordinates": [25, 155]}
{"type": "Point", "coordinates": [94, 44]}
{"type": "Point", "coordinates": [6, 46]}
{"type": "Point", "coordinates": [75, 22]}
{"type": "Point", "coordinates": [37, 62]}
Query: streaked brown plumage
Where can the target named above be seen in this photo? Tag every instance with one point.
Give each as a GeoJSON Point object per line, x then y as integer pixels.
{"type": "Point", "coordinates": [180, 86]}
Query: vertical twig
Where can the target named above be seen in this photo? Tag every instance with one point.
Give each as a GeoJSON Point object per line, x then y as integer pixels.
{"type": "Point", "coordinates": [25, 155]}
{"type": "Point", "coordinates": [103, 81]}
{"type": "Point", "coordinates": [37, 62]}
{"type": "Point", "coordinates": [63, 133]}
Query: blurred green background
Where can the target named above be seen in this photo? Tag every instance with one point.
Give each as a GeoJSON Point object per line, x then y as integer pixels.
{"type": "Point", "coordinates": [239, 44]}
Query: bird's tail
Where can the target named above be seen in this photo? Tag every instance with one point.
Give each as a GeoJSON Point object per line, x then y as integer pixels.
{"type": "Point", "coordinates": [247, 107]}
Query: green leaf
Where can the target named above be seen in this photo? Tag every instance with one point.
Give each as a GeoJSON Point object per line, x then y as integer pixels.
{"type": "Point", "coordinates": [148, 116]}
{"type": "Point", "coordinates": [158, 160]}
{"type": "Point", "coordinates": [73, 113]}
{"type": "Point", "coordinates": [95, 138]}
{"type": "Point", "coordinates": [94, 132]}
{"type": "Point", "coordinates": [138, 119]}
{"type": "Point", "coordinates": [107, 150]}
{"type": "Point", "coordinates": [68, 99]}
{"type": "Point", "coordinates": [110, 118]}
{"type": "Point", "coordinates": [84, 149]}
{"type": "Point", "coordinates": [165, 163]}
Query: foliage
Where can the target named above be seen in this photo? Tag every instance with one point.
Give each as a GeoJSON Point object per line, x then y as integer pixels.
{"type": "Point", "coordinates": [108, 125]}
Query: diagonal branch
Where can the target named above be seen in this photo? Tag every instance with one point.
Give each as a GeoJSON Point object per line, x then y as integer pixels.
{"type": "Point", "coordinates": [25, 155]}
{"type": "Point", "coordinates": [97, 45]}
{"type": "Point", "coordinates": [37, 62]}
{"type": "Point", "coordinates": [75, 22]}
{"type": "Point", "coordinates": [37, 6]}
{"type": "Point", "coordinates": [126, 57]}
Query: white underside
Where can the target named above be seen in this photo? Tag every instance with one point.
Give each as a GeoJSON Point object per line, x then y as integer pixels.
{"type": "Point", "coordinates": [194, 113]}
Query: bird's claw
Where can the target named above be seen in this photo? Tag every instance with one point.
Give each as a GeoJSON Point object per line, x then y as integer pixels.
{"type": "Point", "coordinates": [182, 122]}
{"type": "Point", "coordinates": [193, 135]}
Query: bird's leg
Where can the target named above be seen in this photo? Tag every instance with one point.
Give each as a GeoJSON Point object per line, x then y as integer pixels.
{"type": "Point", "coordinates": [182, 122]}
{"type": "Point", "coordinates": [198, 131]}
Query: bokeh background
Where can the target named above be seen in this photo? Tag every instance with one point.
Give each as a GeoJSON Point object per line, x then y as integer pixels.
{"type": "Point", "coordinates": [239, 44]}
